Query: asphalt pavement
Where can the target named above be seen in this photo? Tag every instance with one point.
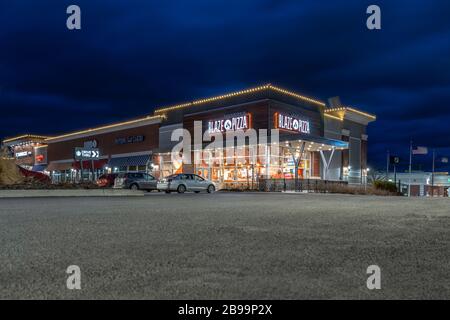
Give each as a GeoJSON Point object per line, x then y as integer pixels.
{"type": "Point", "coordinates": [225, 246]}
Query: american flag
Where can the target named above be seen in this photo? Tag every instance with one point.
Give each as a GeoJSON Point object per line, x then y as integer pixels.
{"type": "Point", "coordinates": [420, 150]}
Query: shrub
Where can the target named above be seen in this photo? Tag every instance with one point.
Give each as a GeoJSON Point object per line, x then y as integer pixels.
{"type": "Point", "coordinates": [385, 185]}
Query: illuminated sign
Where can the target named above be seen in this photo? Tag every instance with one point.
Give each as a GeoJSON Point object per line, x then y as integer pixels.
{"type": "Point", "coordinates": [86, 154]}
{"type": "Point", "coordinates": [40, 155]}
{"type": "Point", "coordinates": [23, 154]}
{"type": "Point", "coordinates": [90, 144]}
{"type": "Point", "coordinates": [230, 123]}
{"type": "Point", "coordinates": [291, 123]}
{"type": "Point", "coordinates": [130, 139]}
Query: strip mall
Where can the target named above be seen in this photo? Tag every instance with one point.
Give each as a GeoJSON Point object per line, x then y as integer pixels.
{"type": "Point", "coordinates": [316, 140]}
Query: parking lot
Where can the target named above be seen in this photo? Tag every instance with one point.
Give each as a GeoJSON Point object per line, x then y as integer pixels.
{"type": "Point", "coordinates": [225, 246]}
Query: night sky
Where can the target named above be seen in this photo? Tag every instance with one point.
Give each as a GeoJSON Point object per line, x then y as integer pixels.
{"type": "Point", "coordinates": [132, 56]}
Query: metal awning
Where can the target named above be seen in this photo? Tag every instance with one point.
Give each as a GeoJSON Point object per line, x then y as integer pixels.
{"type": "Point", "coordinates": [318, 141]}
{"type": "Point", "coordinates": [141, 160]}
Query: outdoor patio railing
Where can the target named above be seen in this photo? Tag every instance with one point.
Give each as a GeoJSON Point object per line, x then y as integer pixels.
{"type": "Point", "coordinates": [278, 185]}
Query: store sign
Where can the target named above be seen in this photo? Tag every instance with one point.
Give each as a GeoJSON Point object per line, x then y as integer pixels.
{"type": "Point", "coordinates": [291, 123]}
{"type": "Point", "coordinates": [23, 154]}
{"type": "Point", "coordinates": [130, 139]}
{"type": "Point", "coordinates": [231, 123]}
{"type": "Point", "coordinates": [86, 154]}
{"type": "Point", "coordinates": [90, 144]}
{"type": "Point", "coordinates": [40, 155]}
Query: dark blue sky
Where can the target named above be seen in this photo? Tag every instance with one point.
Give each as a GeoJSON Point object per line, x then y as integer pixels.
{"type": "Point", "coordinates": [132, 56]}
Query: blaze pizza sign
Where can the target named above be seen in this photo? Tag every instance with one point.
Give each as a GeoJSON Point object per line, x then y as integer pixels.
{"type": "Point", "coordinates": [230, 123]}
{"type": "Point", "coordinates": [291, 123]}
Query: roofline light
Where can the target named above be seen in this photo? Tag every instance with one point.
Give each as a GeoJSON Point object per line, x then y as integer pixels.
{"type": "Point", "coordinates": [92, 130]}
{"type": "Point", "coordinates": [238, 93]}
{"type": "Point", "coordinates": [29, 136]}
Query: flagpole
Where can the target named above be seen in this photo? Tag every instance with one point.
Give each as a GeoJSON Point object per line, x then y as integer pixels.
{"type": "Point", "coordinates": [387, 166]}
{"type": "Point", "coordinates": [432, 174]}
{"type": "Point", "coordinates": [410, 165]}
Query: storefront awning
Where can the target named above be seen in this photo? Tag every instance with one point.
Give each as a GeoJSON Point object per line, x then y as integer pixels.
{"type": "Point", "coordinates": [141, 160]}
{"type": "Point", "coordinates": [339, 144]}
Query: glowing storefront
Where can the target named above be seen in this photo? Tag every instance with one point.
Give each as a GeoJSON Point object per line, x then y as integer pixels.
{"type": "Point", "coordinates": [314, 141]}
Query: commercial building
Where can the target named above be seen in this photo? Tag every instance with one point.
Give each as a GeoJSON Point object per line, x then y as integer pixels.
{"type": "Point", "coordinates": [123, 147]}
{"type": "Point", "coordinates": [422, 184]}
{"type": "Point", "coordinates": [315, 140]}
{"type": "Point", "coordinates": [30, 151]}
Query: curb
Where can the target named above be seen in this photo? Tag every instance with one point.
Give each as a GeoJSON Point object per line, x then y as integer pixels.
{"type": "Point", "coordinates": [69, 193]}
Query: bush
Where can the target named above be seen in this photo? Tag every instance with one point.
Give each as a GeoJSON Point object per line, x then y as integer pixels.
{"type": "Point", "coordinates": [385, 185]}
{"type": "Point", "coordinates": [33, 184]}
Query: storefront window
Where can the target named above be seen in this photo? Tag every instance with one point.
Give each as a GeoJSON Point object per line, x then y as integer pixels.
{"type": "Point", "coordinates": [226, 167]}
{"type": "Point", "coordinates": [162, 165]}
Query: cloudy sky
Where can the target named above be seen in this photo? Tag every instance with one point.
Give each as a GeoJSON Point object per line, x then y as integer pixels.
{"type": "Point", "coordinates": [131, 56]}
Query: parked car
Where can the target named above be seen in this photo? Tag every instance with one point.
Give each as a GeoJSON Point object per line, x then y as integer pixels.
{"type": "Point", "coordinates": [135, 181]}
{"type": "Point", "coordinates": [106, 180]}
{"type": "Point", "coordinates": [185, 182]}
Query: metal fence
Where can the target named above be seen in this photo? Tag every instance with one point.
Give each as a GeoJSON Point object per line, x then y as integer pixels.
{"type": "Point", "coordinates": [309, 185]}
{"type": "Point", "coordinates": [274, 185]}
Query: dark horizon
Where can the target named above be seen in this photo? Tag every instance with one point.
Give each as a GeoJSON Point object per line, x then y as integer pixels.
{"type": "Point", "coordinates": [132, 56]}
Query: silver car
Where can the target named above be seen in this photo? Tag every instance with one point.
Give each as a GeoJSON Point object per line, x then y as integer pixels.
{"type": "Point", "coordinates": [135, 181]}
{"type": "Point", "coordinates": [185, 182]}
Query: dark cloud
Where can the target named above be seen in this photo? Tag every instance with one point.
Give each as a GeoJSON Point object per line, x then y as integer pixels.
{"type": "Point", "coordinates": [132, 56]}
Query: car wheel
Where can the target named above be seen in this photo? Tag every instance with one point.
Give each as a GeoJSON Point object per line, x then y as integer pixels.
{"type": "Point", "coordinates": [134, 186]}
{"type": "Point", "coordinates": [211, 189]}
{"type": "Point", "coordinates": [181, 189]}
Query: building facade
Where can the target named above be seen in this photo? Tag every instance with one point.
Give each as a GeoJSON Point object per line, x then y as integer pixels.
{"type": "Point", "coordinates": [312, 140]}
{"type": "Point", "coordinates": [29, 151]}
